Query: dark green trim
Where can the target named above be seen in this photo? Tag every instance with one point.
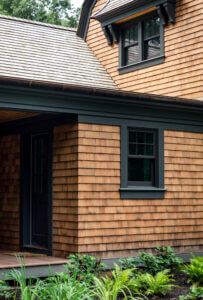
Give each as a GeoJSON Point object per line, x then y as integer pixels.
{"type": "Point", "coordinates": [131, 9]}
{"type": "Point", "coordinates": [25, 191]}
{"type": "Point", "coordinates": [142, 192]}
{"type": "Point", "coordinates": [112, 108]}
{"type": "Point", "coordinates": [85, 18]}
{"type": "Point", "coordinates": [142, 64]}
{"type": "Point", "coordinates": [142, 122]}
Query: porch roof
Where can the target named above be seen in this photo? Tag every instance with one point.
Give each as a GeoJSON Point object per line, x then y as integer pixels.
{"type": "Point", "coordinates": [42, 52]}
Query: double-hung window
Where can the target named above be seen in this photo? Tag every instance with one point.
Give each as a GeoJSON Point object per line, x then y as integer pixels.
{"type": "Point", "coordinates": [142, 157]}
{"type": "Point", "coordinates": [142, 162]}
{"type": "Point", "coordinates": [141, 43]}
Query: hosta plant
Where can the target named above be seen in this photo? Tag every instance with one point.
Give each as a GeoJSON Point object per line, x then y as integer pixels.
{"type": "Point", "coordinates": [194, 270]}
{"type": "Point", "coordinates": [155, 285]}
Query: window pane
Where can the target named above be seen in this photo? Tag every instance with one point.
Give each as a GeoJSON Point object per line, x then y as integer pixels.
{"type": "Point", "coordinates": [149, 138]}
{"type": "Point", "coordinates": [152, 48]}
{"type": "Point", "coordinates": [131, 35]}
{"type": "Point", "coordinates": [132, 54]}
{"type": "Point", "coordinates": [132, 136]}
{"type": "Point", "coordinates": [140, 149]}
{"type": "Point", "coordinates": [141, 137]}
{"type": "Point", "coordinates": [149, 150]}
{"type": "Point", "coordinates": [151, 27]}
{"type": "Point", "coordinates": [140, 169]}
{"type": "Point", "coordinates": [132, 149]}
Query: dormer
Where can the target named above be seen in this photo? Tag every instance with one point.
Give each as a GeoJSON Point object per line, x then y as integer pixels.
{"type": "Point", "coordinates": [150, 46]}
{"type": "Point", "coordinates": [137, 25]}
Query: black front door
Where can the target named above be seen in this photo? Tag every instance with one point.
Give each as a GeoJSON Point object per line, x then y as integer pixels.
{"type": "Point", "coordinates": [36, 192]}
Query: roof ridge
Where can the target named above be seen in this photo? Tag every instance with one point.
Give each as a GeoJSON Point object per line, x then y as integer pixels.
{"type": "Point", "coordinates": [37, 23]}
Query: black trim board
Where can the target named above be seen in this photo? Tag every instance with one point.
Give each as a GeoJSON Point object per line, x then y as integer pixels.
{"type": "Point", "coordinates": [142, 192]}
{"type": "Point", "coordinates": [25, 190]}
{"type": "Point", "coordinates": [125, 11]}
{"type": "Point", "coordinates": [86, 12]}
{"type": "Point", "coordinates": [103, 109]}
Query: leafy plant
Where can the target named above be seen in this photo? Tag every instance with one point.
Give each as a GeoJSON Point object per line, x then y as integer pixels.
{"type": "Point", "coordinates": [122, 283]}
{"type": "Point", "coordinates": [194, 270]}
{"type": "Point", "coordinates": [155, 285]}
{"type": "Point", "coordinates": [87, 266]}
{"type": "Point", "coordinates": [195, 293]}
{"type": "Point", "coordinates": [146, 262]}
{"type": "Point", "coordinates": [149, 263]}
{"type": "Point", "coordinates": [5, 289]}
{"type": "Point", "coordinates": [167, 258]}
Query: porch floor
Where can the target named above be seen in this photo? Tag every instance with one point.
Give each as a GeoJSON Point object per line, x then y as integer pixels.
{"type": "Point", "coordinates": [36, 265]}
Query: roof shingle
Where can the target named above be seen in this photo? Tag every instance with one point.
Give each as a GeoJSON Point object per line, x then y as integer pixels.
{"type": "Point", "coordinates": [42, 52]}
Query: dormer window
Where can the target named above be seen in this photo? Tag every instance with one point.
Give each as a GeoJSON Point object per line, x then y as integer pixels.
{"type": "Point", "coordinates": [141, 43]}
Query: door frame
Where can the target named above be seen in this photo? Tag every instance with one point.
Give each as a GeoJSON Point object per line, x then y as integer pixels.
{"type": "Point", "coordinates": [25, 213]}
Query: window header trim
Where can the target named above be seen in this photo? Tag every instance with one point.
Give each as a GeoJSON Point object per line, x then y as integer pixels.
{"type": "Point", "coordinates": [164, 8]}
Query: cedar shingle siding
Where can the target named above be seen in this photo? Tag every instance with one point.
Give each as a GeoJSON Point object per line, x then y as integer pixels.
{"type": "Point", "coordinates": [10, 192]}
{"type": "Point", "coordinates": [113, 227]}
{"type": "Point", "coordinates": [179, 75]}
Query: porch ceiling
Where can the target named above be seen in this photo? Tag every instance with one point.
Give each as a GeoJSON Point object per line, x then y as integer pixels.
{"type": "Point", "coordinates": [9, 115]}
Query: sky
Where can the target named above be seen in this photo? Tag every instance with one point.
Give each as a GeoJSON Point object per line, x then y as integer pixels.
{"type": "Point", "coordinates": [77, 3]}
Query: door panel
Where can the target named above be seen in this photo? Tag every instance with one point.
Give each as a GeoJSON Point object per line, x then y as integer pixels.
{"type": "Point", "coordinates": [39, 190]}
{"type": "Point", "coordinates": [36, 201]}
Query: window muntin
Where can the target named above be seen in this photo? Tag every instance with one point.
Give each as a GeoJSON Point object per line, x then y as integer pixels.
{"type": "Point", "coordinates": [141, 157]}
{"type": "Point", "coordinates": [141, 41]}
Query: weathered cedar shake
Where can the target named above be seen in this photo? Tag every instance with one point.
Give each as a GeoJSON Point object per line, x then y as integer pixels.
{"type": "Point", "coordinates": [112, 227]}
{"type": "Point", "coordinates": [179, 75]}
{"type": "Point", "coordinates": [10, 192]}
{"type": "Point", "coordinates": [65, 180]}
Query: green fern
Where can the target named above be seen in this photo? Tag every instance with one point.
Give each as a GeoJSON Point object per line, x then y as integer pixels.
{"type": "Point", "coordinates": [194, 270]}
{"type": "Point", "coordinates": [122, 283]}
{"type": "Point", "coordinates": [155, 285]}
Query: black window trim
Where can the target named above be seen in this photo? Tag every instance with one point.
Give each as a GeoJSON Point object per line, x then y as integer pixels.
{"type": "Point", "coordinates": [142, 192]}
{"type": "Point", "coordinates": [142, 63]}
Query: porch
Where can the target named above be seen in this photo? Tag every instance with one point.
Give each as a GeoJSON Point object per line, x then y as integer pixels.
{"type": "Point", "coordinates": [36, 265]}
{"type": "Point", "coordinates": [28, 208]}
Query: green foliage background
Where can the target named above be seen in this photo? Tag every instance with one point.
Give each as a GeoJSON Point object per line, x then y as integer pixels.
{"type": "Point", "coordinates": [58, 12]}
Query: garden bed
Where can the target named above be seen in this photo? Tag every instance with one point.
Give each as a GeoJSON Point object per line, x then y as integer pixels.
{"type": "Point", "coordinates": [146, 277]}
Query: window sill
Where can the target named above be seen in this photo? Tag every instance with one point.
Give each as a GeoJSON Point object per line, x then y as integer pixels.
{"type": "Point", "coordinates": [141, 65]}
{"type": "Point", "coordinates": [142, 192]}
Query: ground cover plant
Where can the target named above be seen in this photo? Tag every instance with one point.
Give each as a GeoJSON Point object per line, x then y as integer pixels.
{"type": "Point", "coordinates": [194, 270]}
{"type": "Point", "coordinates": [85, 278]}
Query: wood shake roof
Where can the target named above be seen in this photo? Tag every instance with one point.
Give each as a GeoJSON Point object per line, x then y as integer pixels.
{"type": "Point", "coordinates": [42, 52]}
{"type": "Point", "coordinates": [112, 6]}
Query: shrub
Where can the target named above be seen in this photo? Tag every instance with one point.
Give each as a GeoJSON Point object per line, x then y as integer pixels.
{"type": "Point", "coordinates": [87, 266]}
{"type": "Point", "coordinates": [146, 262]}
{"type": "Point", "coordinates": [149, 263]}
{"type": "Point", "coordinates": [195, 293]}
{"type": "Point", "coordinates": [121, 284]}
{"type": "Point", "coordinates": [167, 258]}
{"type": "Point", "coordinates": [194, 270]}
{"type": "Point", "coordinates": [155, 285]}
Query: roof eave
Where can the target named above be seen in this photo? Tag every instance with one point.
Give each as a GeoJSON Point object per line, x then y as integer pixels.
{"type": "Point", "coordinates": [115, 95]}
